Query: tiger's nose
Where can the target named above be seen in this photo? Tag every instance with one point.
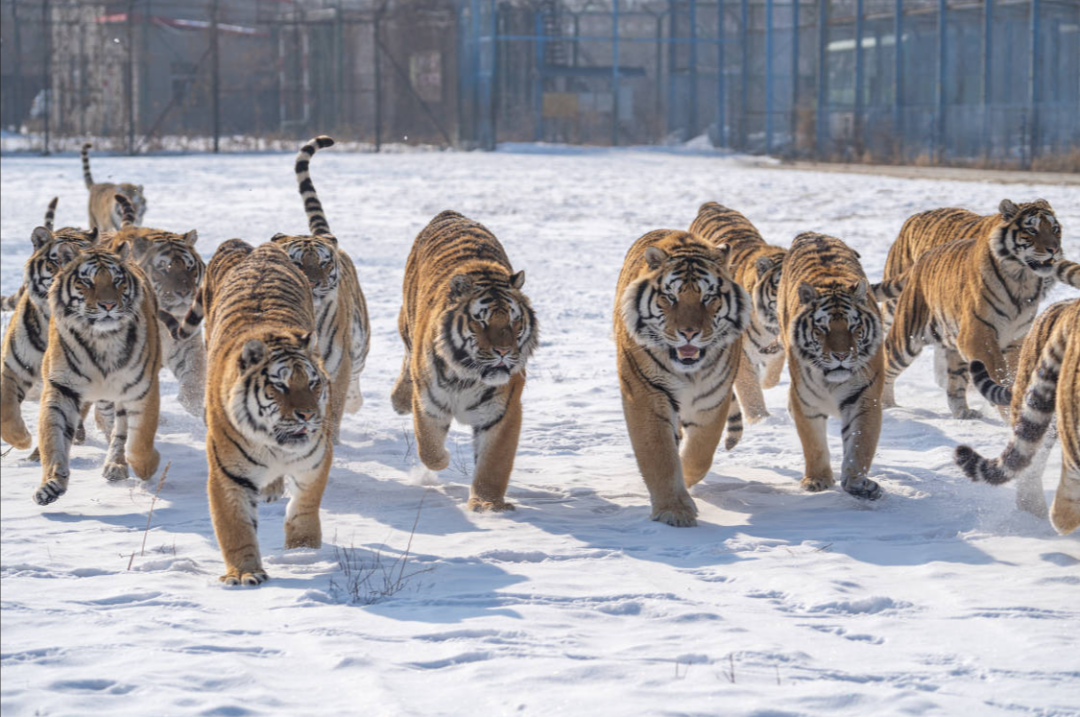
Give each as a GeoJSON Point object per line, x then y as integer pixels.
{"type": "Point", "coordinates": [501, 350]}
{"type": "Point", "coordinates": [689, 334]}
{"type": "Point", "coordinates": [304, 414]}
{"type": "Point", "coordinates": [107, 305]}
{"type": "Point", "coordinates": [839, 356]}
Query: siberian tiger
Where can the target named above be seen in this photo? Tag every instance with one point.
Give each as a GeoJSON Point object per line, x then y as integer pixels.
{"type": "Point", "coordinates": [175, 270]}
{"type": "Point", "coordinates": [974, 298]}
{"type": "Point", "coordinates": [103, 346]}
{"type": "Point", "coordinates": [266, 403]}
{"type": "Point", "coordinates": [756, 266]}
{"type": "Point", "coordinates": [340, 308]}
{"type": "Point", "coordinates": [1048, 384]}
{"type": "Point", "coordinates": [831, 329]}
{"type": "Point", "coordinates": [468, 331]}
{"type": "Point", "coordinates": [27, 334]}
{"type": "Point", "coordinates": [679, 322]}
{"type": "Point", "coordinates": [105, 215]}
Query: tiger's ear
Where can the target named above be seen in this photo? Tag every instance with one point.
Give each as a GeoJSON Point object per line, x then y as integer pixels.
{"type": "Point", "coordinates": [859, 289]}
{"type": "Point", "coordinates": [654, 257]}
{"type": "Point", "coordinates": [1042, 204]}
{"type": "Point", "coordinates": [459, 285]}
{"type": "Point", "coordinates": [93, 235]}
{"type": "Point", "coordinates": [279, 237]}
{"type": "Point", "coordinates": [518, 280]}
{"type": "Point", "coordinates": [807, 293]}
{"type": "Point", "coordinates": [65, 252]}
{"type": "Point", "coordinates": [309, 340]}
{"type": "Point", "coordinates": [40, 236]}
{"type": "Point", "coordinates": [722, 254]}
{"type": "Point", "coordinates": [139, 244]}
{"type": "Point", "coordinates": [123, 251]}
{"type": "Point", "coordinates": [252, 353]}
{"type": "Point", "coordinates": [763, 264]}
{"type": "Point", "coordinates": [191, 237]}
{"type": "Point", "coordinates": [1008, 209]}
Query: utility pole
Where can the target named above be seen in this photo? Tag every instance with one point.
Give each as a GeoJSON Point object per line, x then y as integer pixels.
{"type": "Point", "coordinates": [215, 75]}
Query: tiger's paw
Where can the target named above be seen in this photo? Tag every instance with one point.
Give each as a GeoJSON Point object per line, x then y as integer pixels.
{"type": "Point", "coordinates": [966, 414]}
{"type": "Point", "coordinates": [354, 400]}
{"type": "Point", "coordinates": [114, 472]}
{"type": "Point", "coordinates": [273, 491]}
{"type": "Point", "coordinates": [497, 505]}
{"type": "Point", "coordinates": [817, 484]}
{"type": "Point", "coordinates": [436, 462]}
{"type": "Point", "coordinates": [145, 466]}
{"type": "Point", "coordinates": [234, 577]}
{"type": "Point", "coordinates": [50, 490]}
{"type": "Point", "coordinates": [863, 488]}
{"type": "Point", "coordinates": [679, 512]}
{"type": "Point", "coordinates": [16, 434]}
{"type": "Point", "coordinates": [35, 455]}
{"type": "Point", "coordinates": [80, 434]}
{"type": "Point", "coordinates": [310, 538]}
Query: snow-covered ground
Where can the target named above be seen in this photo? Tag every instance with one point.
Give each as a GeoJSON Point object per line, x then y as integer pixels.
{"type": "Point", "coordinates": [939, 599]}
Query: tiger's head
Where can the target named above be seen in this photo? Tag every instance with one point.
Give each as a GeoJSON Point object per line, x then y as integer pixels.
{"type": "Point", "coordinates": [134, 194]}
{"type": "Point", "coordinates": [1031, 234]}
{"type": "Point", "coordinates": [836, 329]}
{"type": "Point", "coordinates": [316, 256]}
{"type": "Point", "coordinates": [281, 391]}
{"type": "Point", "coordinates": [487, 330]}
{"type": "Point", "coordinates": [685, 303]}
{"type": "Point", "coordinates": [52, 249]}
{"type": "Point", "coordinates": [764, 283]}
{"type": "Point", "coordinates": [172, 264]}
{"type": "Point", "coordinates": [97, 288]}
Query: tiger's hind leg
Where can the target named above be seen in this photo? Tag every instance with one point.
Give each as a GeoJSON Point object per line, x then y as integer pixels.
{"type": "Point", "coordinates": [56, 428]}
{"type": "Point", "coordinates": [956, 389]}
{"type": "Point", "coordinates": [1030, 496]}
{"type": "Point", "coordinates": [905, 340]}
{"type": "Point", "coordinates": [401, 396]}
{"type": "Point", "coordinates": [104, 416]}
{"type": "Point", "coordinates": [187, 362]}
{"type": "Point", "coordinates": [774, 367]}
{"type": "Point", "coordinates": [354, 398]}
{"type": "Point", "coordinates": [748, 391]}
{"type": "Point", "coordinates": [1065, 512]}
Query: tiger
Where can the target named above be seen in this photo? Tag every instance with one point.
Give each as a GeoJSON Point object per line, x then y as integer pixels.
{"type": "Point", "coordinates": [340, 308]}
{"type": "Point", "coordinates": [105, 215]}
{"type": "Point", "coordinates": [679, 320]}
{"type": "Point", "coordinates": [756, 266]}
{"type": "Point", "coordinates": [1048, 384]}
{"type": "Point", "coordinates": [103, 345]}
{"type": "Point", "coordinates": [267, 401]}
{"type": "Point", "coordinates": [468, 331]}
{"type": "Point", "coordinates": [175, 270]}
{"type": "Point", "coordinates": [27, 334]}
{"type": "Point", "coordinates": [974, 298]}
{"type": "Point", "coordinates": [830, 326]}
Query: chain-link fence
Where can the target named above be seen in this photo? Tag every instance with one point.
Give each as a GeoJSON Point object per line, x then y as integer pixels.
{"type": "Point", "coordinates": [995, 82]}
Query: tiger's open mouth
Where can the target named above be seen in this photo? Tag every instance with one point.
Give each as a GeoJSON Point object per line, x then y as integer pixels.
{"type": "Point", "coordinates": [687, 354]}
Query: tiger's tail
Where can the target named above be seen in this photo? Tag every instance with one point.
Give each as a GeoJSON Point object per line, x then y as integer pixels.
{"type": "Point", "coordinates": [888, 289]}
{"type": "Point", "coordinates": [990, 389]}
{"type": "Point", "coordinates": [127, 211]}
{"type": "Point", "coordinates": [316, 218]}
{"type": "Point", "coordinates": [87, 178]}
{"type": "Point", "coordinates": [1030, 425]}
{"type": "Point", "coordinates": [50, 213]}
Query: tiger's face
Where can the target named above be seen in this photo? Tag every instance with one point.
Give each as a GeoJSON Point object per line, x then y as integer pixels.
{"type": "Point", "coordinates": [51, 251]}
{"type": "Point", "coordinates": [765, 288]}
{"type": "Point", "coordinates": [835, 330]}
{"type": "Point", "coordinates": [489, 329]}
{"type": "Point", "coordinates": [317, 258]}
{"type": "Point", "coordinates": [279, 397]}
{"type": "Point", "coordinates": [686, 305]}
{"type": "Point", "coordinates": [173, 266]}
{"type": "Point", "coordinates": [134, 194]}
{"type": "Point", "coordinates": [1032, 235]}
{"type": "Point", "coordinates": [98, 289]}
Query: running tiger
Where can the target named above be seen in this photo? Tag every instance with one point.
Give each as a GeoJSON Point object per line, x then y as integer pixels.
{"type": "Point", "coordinates": [974, 298]}
{"type": "Point", "coordinates": [103, 346]}
{"type": "Point", "coordinates": [27, 333]}
{"type": "Point", "coordinates": [831, 329]}
{"type": "Point", "coordinates": [175, 270]}
{"type": "Point", "coordinates": [756, 266]}
{"type": "Point", "coordinates": [1048, 384]}
{"type": "Point", "coordinates": [468, 331]}
{"type": "Point", "coordinates": [340, 308]}
{"type": "Point", "coordinates": [105, 214]}
{"type": "Point", "coordinates": [679, 322]}
{"type": "Point", "coordinates": [266, 403]}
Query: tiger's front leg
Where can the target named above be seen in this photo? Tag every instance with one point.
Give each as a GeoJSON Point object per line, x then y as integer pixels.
{"type": "Point", "coordinates": [142, 418]}
{"type": "Point", "coordinates": [13, 389]}
{"type": "Point", "coordinates": [495, 446]}
{"type": "Point", "coordinates": [302, 526]}
{"type": "Point", "coordinates": [810, 423]}
{"type": "Point", "coordinates": [774, 367]}
{"type": "Point", "coordinates": [116, 468]}
{"type": "Point", "coordinates": [860, 433]}
{"type": "Point", "coordinates": [57, 421]}
{"type": "Point", "coordinates": [234, 511]}
{"type": "Point", "coordinates": [430, 429]}
{"type": "Point", "coordinates": [700, 439]}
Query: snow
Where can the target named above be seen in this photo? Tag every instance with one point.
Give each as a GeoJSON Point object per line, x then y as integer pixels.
{"type": "Point", "coordinates": [940, 598]}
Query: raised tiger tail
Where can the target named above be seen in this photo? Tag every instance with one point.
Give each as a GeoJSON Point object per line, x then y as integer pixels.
{"type": "Point", "coordinates": [127, 211]}
{"type": "Point", "coordinates": [888, 289]}
{"type": "Point", "coordinates": [181, 330]}
{"type": "Point", "coordinates": [87, 178]}
{"type": "Point", "coordinates": [990, 389]}
{"type": "Point", "coordinates": [316, 218]}
{"type": "Point", "coordinates": [1030, 426]}
{"type": "Point", "coordinates": [50, 213]}
{"type": "Point", "coordinates": [1068, 272]}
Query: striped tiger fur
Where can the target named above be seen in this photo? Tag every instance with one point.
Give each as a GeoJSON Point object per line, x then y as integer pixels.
{"type": "Point", "coordinates": [1029, 494]}
{"type": "Point", "coordinates": [175, 270]}
{"type": "Point", "coordinates": [680, 317]}
{"type": "Point", "coordinates": [756, 266]}
{"type": "Point", "coordinates": [8, 303]}
{"type": "Point", "coordinates": [340, 308]}
{"type": "Point", "coordinates": [27, 333]}
{"type": "Point", "coordinates": [1068, 273]}
{"type": "Point", "coordinates": [974, 298]}
{"type": "Point", "coordinates": [1053, 390]}
{"type": "Point", "coordinates": [103, 346]}
{"type": "Point", "coordinates": [105, 214]}
{"type": "Point", "coordinates": [266, 403]}
{"type": "Point", "coordinates": [468, 331]}
{"type": "Point", "coordinates": [831, 329]}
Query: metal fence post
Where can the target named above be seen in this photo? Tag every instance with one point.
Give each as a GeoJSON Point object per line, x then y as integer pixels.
{"type": "Point", "coordinates": [17, 38]}
{"type": "Point", "coordinates": [987, 58]}
{"type": "Point", "coordinates": [721, 89]}
{"type": "Point", "coordinates": [941, 68]}
{"type": "Point", "coordinates": [46, 17]}
{"type": "Point", "coordinates": [378, 77]}
{"type": "Point", "coordinates": [615, 72]}
{"type": "Point", "coordinates": [859, 76]}
{"type": "Point", "coordinates": [794, 133]}
{"type": "Point", "coordinates": [898, 75]}
{"type": "Point", "coordinates": [692, 121]}
{"type": "Point", "coordinates": [538, 82]}
{"type": "Point", "coordinates": [823, 75]}
{"type": "Point", "coordinates": [215, 75]}
{"type": "Point", "coordinates": [129, 78]}
{"type": "Point", "coordinates": [768, 75]}
{"type": "Point", "coordinates": [744, 90]}
{"type": "Point", "coordinates": [1033, 82]}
